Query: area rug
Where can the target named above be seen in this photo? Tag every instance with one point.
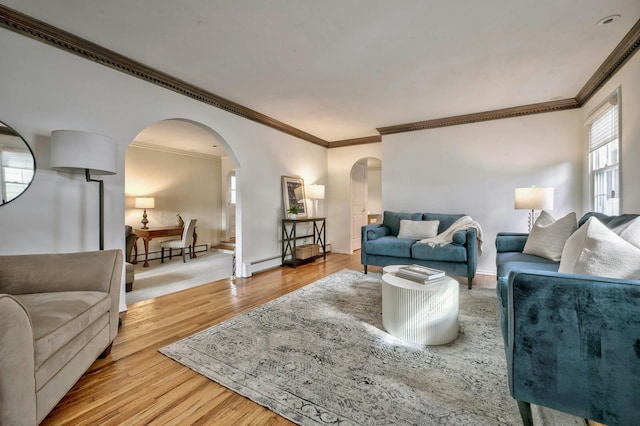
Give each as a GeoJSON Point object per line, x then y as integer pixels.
{"type": "Point", "coordinates": [320, 356]}
{"type": "Point", "coordinates": [159, 279]}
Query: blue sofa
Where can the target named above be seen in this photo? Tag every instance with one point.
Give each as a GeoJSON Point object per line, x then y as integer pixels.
{"type": "Point", "coordinates": [380, 245]}
{"type": "Point", "coordinates": [572, 342]}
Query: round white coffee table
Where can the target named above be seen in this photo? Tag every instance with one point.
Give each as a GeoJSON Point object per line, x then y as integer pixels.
{"type": "Point", "coordinates": [425, 314]}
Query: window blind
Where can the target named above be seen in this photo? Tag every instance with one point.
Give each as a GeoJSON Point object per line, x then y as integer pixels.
{"type": "Point", "coordinates": [16, 159]}
{"type": "Point", "coordinates": [604, 128]}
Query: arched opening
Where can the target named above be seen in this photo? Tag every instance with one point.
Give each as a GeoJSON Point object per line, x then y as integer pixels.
{"type": "Point", "coordinates": [184, 167]}
{"type": "Point", "coordinates": [366, 196]}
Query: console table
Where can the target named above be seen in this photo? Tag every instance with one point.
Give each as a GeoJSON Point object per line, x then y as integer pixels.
{"type": "Point", "coordinates": [290, 236]}
{"type": "Point", "coordinates": [159, 232]}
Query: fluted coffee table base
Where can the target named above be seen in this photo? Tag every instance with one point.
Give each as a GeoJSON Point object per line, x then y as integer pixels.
{"type": "Point", "coordinates": [425, 314]}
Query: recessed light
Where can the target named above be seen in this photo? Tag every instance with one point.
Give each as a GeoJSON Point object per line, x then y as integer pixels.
{"type": "Point", "coordinates": [608, 19]}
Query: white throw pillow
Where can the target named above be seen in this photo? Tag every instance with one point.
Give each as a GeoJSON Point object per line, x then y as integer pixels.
{"type": "Point", "coordinates": [418, 229]}
{"type": "Point", "coordinates": [596, 250]}
{"type": "Point", "coordinates": [547, 237]}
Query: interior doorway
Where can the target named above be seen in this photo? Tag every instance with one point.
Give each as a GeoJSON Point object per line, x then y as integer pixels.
{"type": "Point", "coordinates": [366, 197]}
{"type": "Point", "coordinates": [169, 161]}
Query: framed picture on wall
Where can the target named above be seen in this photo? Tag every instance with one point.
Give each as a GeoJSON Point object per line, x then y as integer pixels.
{"type": "Point", "coordinates": [293, 195]}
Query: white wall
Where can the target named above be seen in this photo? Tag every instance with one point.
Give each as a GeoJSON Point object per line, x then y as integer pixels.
{"type": "Point", "coordinates": [374, 183]}
{"type": "Point", "coordinates": [338, 197]}
{"type": "Point", "coordinates": [474, 169]}
{"type": "Point", "coordinates": [628, 78]}
{"type": "Point", "coordinates": [185, 184]}
{"type": "Point", "coordinates": [44, 88]}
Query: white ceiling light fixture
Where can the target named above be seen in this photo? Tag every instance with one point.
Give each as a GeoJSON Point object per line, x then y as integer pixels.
{"type": "Point", "coordinates": [608, 20]}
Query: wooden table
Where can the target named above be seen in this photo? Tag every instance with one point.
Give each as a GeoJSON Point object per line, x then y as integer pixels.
{"type": "Point", "coordinates": [159, 232]}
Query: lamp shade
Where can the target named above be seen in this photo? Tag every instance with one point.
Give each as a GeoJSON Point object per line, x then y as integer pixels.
{"type": "Point", "coordinates": [74, 151]}
{"type": "Point", "coordinates": [145, 203]}
{"type": "Point", "coordinates": [315, 192]}
{"type": "Point", "coordinates": [533, 198]}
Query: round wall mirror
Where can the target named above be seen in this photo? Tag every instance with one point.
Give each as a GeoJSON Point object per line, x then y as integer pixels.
{"type": "Point", "coordinates": [17, 164]}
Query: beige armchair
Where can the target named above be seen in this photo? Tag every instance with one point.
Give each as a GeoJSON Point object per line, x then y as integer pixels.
{"type": "Point", "coordinates": [59, 312]}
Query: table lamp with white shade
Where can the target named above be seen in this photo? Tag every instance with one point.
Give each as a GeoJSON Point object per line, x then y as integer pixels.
{"type": "Point", "coordinates": [74, 151]}
{"type": "Point", "coordinates": [533, 198]}
{"type": "Point", "coordinates": [315, 193]}
{"type": "Point", "coordinates": [145, 203]}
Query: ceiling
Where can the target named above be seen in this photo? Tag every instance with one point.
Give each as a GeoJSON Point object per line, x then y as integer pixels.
{"type": "Point", "coordinates": [340, 69]}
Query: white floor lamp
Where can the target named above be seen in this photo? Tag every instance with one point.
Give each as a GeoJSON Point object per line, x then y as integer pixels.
{"type": "Point", "coordinates": [73, 151]}
{"type": "Point", "coordinates": [533, 198]}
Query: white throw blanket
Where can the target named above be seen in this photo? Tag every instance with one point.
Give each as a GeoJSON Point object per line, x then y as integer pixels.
{"type": "Point", "coordinates": [465, 222]}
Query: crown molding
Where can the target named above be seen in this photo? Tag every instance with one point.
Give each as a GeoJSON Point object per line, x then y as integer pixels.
{"type": "Point", "coordinates": [622, 53]}
{"type": "Point", "coordinates": [41, 31]}
{"type": "Point", "coordinates": [497, 114]}
{"type": "Point", "coordinates": [355, 141]}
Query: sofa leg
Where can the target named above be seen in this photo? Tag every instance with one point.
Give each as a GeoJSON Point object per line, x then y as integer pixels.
{"type": "Point", "coordinates": [365, 269]}
{"type": "Point", "coordinates": [525, 413]}
{"type": "Point", "coordinates": [470, 281]}
{"type": "Point", "coordinates": [106, 352]}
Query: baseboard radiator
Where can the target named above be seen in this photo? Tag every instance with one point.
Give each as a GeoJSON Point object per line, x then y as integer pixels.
{"type": "Point", "coordinates": [261, 265]}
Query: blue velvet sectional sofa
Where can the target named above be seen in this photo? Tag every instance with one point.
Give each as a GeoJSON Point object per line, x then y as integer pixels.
{"type": "Point", "coordinates": [572, 342]}
{"type": "Point", "coordinates": [380, 245]}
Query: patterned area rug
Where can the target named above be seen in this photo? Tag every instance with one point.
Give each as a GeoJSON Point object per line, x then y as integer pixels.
{"type": "Point", "coordinates": [320, 356]}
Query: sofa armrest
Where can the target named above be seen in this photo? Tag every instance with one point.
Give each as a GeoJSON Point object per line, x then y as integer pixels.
{"type": "Point", "coordinates": [374, 231]}
{"type": "Point", "coordinates": [17, 364]}
{"type": "Point", "coordinates": [472, 252]}
{"type": "Point", "coordinates": [511, 241]}
{"type": "Point", "coordinates": [574, 344]}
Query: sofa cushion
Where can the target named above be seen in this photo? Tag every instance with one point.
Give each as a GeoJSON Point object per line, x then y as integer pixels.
{"type": "Point", "coordinates": [390, 246]}
{"type": "Point", "coordinates": [517, 261]}
{"type": "Point", "coordinates": [513, 260]}
{"type": "Point", "coordinates": [418, 229]}
{"type": "Point", "coordinates": [60, 316]}
{"type": "Point", "coordinates": [596, 250]}
{"type": "Point", "coordinates": [392, 220]}
{"type": "Point", "coordinates": [446, 220]}
{"type": "Point", "coordinates": [548, 235]}
{"type": "Point", "coordinates": [446, 253]}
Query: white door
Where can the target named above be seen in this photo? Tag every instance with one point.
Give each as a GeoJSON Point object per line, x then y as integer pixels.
{"type": "Point", "coordinates": [358, 202]}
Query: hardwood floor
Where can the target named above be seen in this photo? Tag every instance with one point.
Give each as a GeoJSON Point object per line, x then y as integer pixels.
{"type": "Point", "coordinates": [137, 385]}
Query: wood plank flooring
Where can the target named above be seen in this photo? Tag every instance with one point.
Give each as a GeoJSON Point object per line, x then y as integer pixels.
{"type": "Point", "coordinates": [137, 385]}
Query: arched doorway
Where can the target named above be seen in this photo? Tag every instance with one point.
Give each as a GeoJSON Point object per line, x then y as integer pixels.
{"type": "Point", "coordinates": [183, 165]}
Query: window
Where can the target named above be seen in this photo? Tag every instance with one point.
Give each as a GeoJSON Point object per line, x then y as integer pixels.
{"type": "Point", "coordinates": [604, 156]}
{"type": "Point", "coordinates": [232, 190]}
{"type": "Point", "coordinates": [17, 173]}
